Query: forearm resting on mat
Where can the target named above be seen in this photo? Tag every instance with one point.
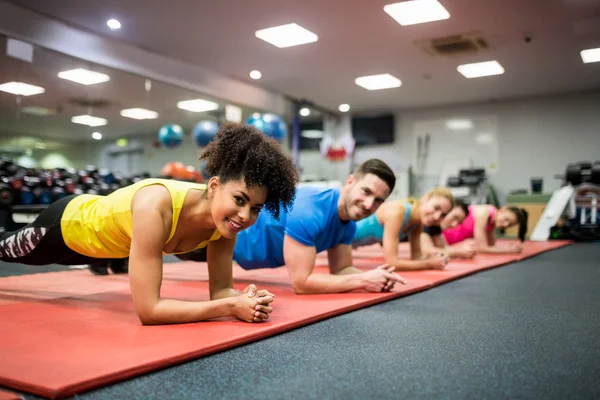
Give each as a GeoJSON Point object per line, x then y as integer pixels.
{"type": "Point", "coordinates": [169, 311]}
{"type": "Point", "coordinates": [328, 283]}
{"type": "Point", "coordinates": [410, 265]}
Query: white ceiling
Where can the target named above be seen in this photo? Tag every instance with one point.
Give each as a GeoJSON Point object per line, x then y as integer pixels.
{"type": "Point", "coordinates": [356, 38]}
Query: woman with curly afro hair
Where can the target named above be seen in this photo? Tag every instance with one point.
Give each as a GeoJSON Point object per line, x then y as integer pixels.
{"type": "Point", "coordinates": [249, 171]}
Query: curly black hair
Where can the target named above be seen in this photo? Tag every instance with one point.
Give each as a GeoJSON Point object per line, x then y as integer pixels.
{"type": "Point", "coordinates": [243, 152]}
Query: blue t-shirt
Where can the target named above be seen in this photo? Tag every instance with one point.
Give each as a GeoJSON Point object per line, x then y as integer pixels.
{"type": "Point", "coordinates": [313, 221]}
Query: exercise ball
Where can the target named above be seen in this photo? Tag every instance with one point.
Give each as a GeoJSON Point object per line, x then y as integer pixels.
{"type": "Point", "coordinates": [270, 124]}
{"type": "Point", "coordinates": [173, 170]}
{"type": "Point", "coordinates": [275, 127]}
{"type": "Point", "coordinates": [170, 135]}
{"type": "Point", "coordinates": [256, 121]}
{"type": "Point", "coordinates": [204, 131]}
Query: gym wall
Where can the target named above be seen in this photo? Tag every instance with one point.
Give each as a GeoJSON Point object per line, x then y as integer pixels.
{"type": "Point", "coordinates": [537, 137]}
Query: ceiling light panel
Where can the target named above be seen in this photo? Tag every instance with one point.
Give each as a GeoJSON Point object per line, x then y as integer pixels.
{"type": "Point", "coordinates": [416, 12]}
{"type": "Point", "coordinates": [84, 76]}
{"type": "Point", "coordinates": [198, 105]}
{"type": "Point", "coordinates": [21, 88]}
{"type": "Point", "coordinates": [481, 69]}
{"type": "Point", "coordinates": [378, 82]}
{"type": "Point", "coordinates": [287, 35]}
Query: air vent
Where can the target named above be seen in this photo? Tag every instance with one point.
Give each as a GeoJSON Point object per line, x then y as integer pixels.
{"type": "Point", "coordinates": [455, 45]}
{"type": "Point", "coordinates": [94, 103]}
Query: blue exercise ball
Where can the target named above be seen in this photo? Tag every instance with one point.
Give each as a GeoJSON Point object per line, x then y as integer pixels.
{"type": "Point", "coordinates": [256, 121]}
{"type": "Point", "coordinates": [275, 127]}
{"type": "Point", "coordinates": [204, 132]}
{"type": "Point", "coordinates": [170, 135]}
{"type": "Point", "coordinates": [270, 124]}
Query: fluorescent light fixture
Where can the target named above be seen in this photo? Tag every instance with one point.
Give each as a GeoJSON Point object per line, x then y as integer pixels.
{"type": "Point", "coordinates": [590, 55]}
{"type": "Point", "coordinates": [113, 24]}
{"type": "Point", "coordinates": [459, 124]}
{"type": "Point", "coordinates": [88, 120]}
{"type": "Point", "coordinates": [21, 88]}
{"type": "Point", "coordinates": [39, 111]}
{"type": "Point", "coordinates": [377, 82]}
{"type": "Point", "coordinates": [344, 107]}
{"type": "Point", "coordinates": [84, 76]}
{"type": "Point", "coordinates": [198, 105]}
{"type": "Point", "coordinates": [139, 113]}
{"type": "Point", "coordinates": [255, 74]}
{"type": "Point", "coordinates": [312, 134]}
{"type": "Point", "coordinates": [416, 11]}
{"type": "Point", "coordinates": [96, 135]}
{"type": "Point", "coordinates": [286, 35]}
{"type": "Point", "coordinates": [305, 112]}
{"type": "Point", "coordinates": [481, 69]}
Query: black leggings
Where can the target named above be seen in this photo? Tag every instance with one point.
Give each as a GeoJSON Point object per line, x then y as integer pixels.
{"type": "Point", "coordinates": [196, 255]}
{"type": "Point", "coordinates": [41, 242]}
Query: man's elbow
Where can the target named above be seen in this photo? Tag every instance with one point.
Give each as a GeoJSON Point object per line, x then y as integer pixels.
{"type": "Point", "coordinates": [300, 286]}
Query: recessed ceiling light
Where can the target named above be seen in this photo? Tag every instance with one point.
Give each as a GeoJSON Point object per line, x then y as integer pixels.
{"type": "Point", "coordinates": [84, 76]}
{"type": "Point", "coordinates": [113, 24]}
{"type": "Point", "coordinates": [255, 74]}
{"type": "Point", "coordinates": [344, 107]}
{"type": "Point", "coordinates": [198, 105]}
{"type": "Point", "coordinates": [21, 89]}
{"type": "Point", "coordinates": [590, 55]}
{"type": "Point", "coordinates": [459, 124]}
{"type": "Point", "coordinates": [96, 135]}
{"type": "Point", "coordinates": [139, 113]}
{"type": "Point", "coordinates": [286, 35]}
{"type": "Point", "coordinates": [39, 111]}
{"type": "Point", "coordinates": [416, 11]}
{"type": "Point", "coordinates": [481, 69]}
{"type": "Point", "coordinates": [88, 120]}
{"type": "Point", "coordinates": [305, 112]}
{"type": "Point", "coordinates": [377, 82]}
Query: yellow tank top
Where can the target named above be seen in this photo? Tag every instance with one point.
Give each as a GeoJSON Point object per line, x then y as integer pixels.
{"type": "Point", "coordinates": [100, 226]}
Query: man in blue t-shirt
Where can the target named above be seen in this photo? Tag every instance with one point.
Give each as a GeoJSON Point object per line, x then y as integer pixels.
{"type": "Point", "coordinates": [321, 219]}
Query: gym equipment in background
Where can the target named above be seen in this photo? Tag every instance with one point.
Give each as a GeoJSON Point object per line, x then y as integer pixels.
{"type": "Point", "coordinates": [204, 132]}
{"type": "Point", "coordinates": [470, 186]}
{"type": "Point", "coordinates": [170, 135]}
{"type": "Point", "coordinates": [573, 211]}
{"type": "Point", "coordinates": [270, 124]}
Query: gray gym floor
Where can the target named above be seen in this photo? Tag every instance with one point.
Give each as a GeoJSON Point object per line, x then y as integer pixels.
{"type": "Point", "coordinates": [528, 330]}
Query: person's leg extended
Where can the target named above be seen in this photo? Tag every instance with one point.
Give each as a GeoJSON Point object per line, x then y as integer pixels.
{"type": "Point", "coordinates": [41, 241]}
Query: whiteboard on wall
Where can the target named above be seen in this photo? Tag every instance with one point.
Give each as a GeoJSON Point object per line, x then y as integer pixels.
{"type": "Point", "coordinates": [442, 147]}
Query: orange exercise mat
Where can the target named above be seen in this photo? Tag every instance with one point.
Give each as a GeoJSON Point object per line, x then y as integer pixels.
{"type": "Point", "coordinates": [67, 332]}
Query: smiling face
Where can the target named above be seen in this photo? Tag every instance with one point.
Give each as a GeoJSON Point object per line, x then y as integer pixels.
{"type": "Point", "coordinates": [454, 218]}
{"type": "Point", "coordinates": [505, 219]}
{"type": "Point", "coordinates": [363, 196]}
{"type": "Point", "coordinates": [235, 206]}
{"type": "Point", "coordinates": [434, 209]}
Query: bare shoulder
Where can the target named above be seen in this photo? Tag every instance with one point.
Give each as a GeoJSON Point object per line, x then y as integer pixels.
{"type": "Point", "coordinates": [153, 197]}
{"type": "Point", "coordinates": [391, 211]}
{"type": "Point", "coordinates": [482, 211]}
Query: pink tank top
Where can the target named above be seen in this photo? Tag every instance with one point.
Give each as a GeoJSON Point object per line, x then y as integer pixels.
{"type": "Point", "coordinates": [467, 228]}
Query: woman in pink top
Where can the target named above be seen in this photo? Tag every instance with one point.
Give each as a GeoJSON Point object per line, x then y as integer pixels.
{"type": "Point", "coordinates": [481, 224]}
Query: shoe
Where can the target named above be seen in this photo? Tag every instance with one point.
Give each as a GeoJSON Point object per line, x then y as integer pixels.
{"type": "Point", "coordinates": [119, 265]}
{"type": "Point", "coordinates": [99, 268]}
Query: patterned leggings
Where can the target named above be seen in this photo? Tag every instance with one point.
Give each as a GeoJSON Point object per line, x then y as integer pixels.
{"type": "Point", "coordinates": [41, 242]}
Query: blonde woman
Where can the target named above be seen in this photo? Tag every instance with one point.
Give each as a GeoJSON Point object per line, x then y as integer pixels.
{"type": "Point", "coordinates": [402, 220]}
